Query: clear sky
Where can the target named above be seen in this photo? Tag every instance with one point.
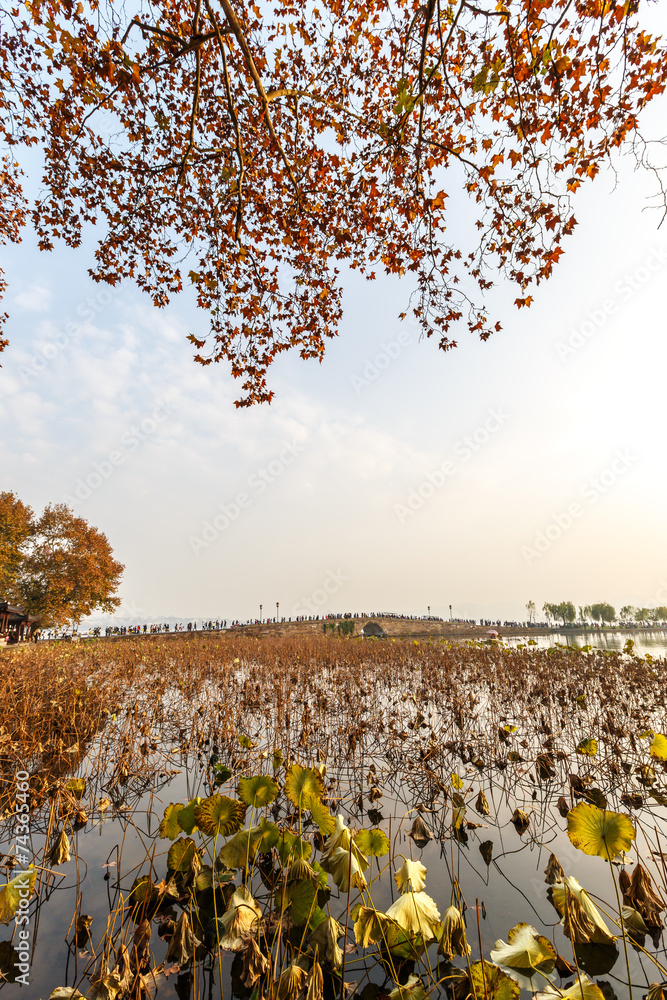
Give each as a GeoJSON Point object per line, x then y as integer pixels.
{"type": "Point", "coordinates": [390, 477]}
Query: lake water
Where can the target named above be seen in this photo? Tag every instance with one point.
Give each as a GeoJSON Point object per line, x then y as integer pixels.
{"type": "Point", "coordinates": [654, 643]}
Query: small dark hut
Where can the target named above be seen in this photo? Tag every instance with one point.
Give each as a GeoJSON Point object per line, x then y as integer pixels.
{"type": "Point", "coordinates": [373, 630]}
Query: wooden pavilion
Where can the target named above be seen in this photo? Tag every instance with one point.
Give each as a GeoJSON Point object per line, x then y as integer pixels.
{"type": "Point", "coordinates": [16, 625]}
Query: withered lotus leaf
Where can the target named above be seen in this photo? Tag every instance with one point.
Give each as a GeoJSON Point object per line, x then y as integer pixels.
{"type": "Point", "coordinates": [453, 935]}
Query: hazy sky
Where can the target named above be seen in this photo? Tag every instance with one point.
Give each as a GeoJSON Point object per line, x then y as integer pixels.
{"type": "Point", "coordinates": [392, 476]}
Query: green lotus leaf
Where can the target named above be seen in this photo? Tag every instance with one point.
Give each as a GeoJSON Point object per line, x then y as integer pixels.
{"type": "Point", "coordinates": [321, 815]}
{"type": "Point", "coordinates": [373, 842]}
{"type": "Point", "coordinates": [412, 990]}
{"type": "Point", "coordinates": [258, 791]}
{"type": "Point", "coordinates": [182, 855]}
{"type": "Point", "coordinates": [584, 989]}
{"type": "Point", "coordinates": [488, 982]}
{"type": "Point", "coordinates": [303, 784]}
{"type": "Point", "coordinates": [170, 826]}
{"type": "Point", "coordinates": [14, 891]}
{"type": "Point", "coordinates": [219, 814]}
{"type": "Point", "coordinates": [588, 747]}
{"type": "Point", "coordinates": [246, 844]}
{"type": "Point", "coordinates": [659, 746]}
{"type": "Point", "coordinates": [77, 786]}
{"type": "Point", "coordinates": [301, 897]}
{"type": "Point", "coordinates": [599, 832]}
{"type": "Point", "coordinates": [186, 817]}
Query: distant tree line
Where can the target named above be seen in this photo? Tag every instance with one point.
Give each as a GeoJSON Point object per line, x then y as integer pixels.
{"type": "Point", "coordinates": [601, 612]}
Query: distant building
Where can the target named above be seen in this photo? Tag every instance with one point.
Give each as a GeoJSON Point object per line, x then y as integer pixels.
{"type": "Point", "coordinates": [15, 624]}
{"type": "Point", "coordinates": [373, 630]}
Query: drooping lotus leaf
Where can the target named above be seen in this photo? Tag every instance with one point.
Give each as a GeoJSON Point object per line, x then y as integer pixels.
{"type": "Point", "coordinates": [301, 897]}
{"type": "Point", "coordinates": [659, 746]}
{"type": "Point", "coordinates": [303, 784]}
{"type": "Point", "coordinates": [373, 842]}
{"type": "Point", "coordinates": [255, 964]}
{"type": "Point", "coordinates": [345, 868]}
{"type": "Point", "coordinates": [291, 982]}
{"type": "Point", "coordinates": [488, 982]}
{"type": "Point", "coordinates": [482, 804]}
{"type": "Point", "coordinates": [183, 856]}
{"type": "Point", "coordinates": [66, 993]}
{"type": "Point", "coordinates": [339, 837]}
{"type": "Point", "coordinates": [452, 934]}
{"type": "Point", "coordinates": [412, 990]}
{"type": "Point", "coordinates": [554, 871]}
{"type": "Point", "coordinates": [457, 782]}
{"type": "Point", "coordinates": [633, 920]}
{"type": "Point", "coordinates": [588, 747]}
{"type": "Point", "coordinates": [321, 815]}
{"type": "Point", "coordinates": [219, 814]}
{"type": "Point", "coordinates": [315, 988]}
{"type": "Point", "coordinates": [598, 832]}
{"type": "Point", "coordinates": [526, 956]}
{"type": "Point", "coordinates": [411, 876]}
{"type": "Point", "coordinates": [325, 938]}
{"type": "Point", "coordinates": [585, 925]}
{"type": "Point", "coordinates": [183, 944]}
{"type": "Point", "coordinates": [419, 832]}
{"type": "Point", "coordinates": [342, 837]}
{"type": "Point", "coordinates": [416, 913]}
{"type": "Point", "coordinates": [60, 852]}
{"type": "Point", "coordinates": [186, 817]}
{"type": "Point", "coordinates": [258, 791]}
{"type": "Point", "coordinates": [170, 826]}
{"type": "Point", "coordinates": [521, 821]}
{"type": "Point", "coordinates": [11, 894]}
{"type": "Point", "coordinates": [583, 989]}
{"type": "Point", "coordinates": [370, 926]}
{"type": "Point", "coordinates": [300, 870]}
{"type": "Point", "coordinates": [240, 920]}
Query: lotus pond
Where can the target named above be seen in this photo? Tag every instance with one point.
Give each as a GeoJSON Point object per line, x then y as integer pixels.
{"type": "Point", "coordinates": [321, 818]}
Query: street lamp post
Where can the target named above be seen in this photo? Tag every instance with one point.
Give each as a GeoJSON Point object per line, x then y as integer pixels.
{"type": "Point", "coordinates": [277, 611]}
{"type": "Point", "coordinates": [429, 610]}
{"type": "Point", "coordinates": [450, 612]}
{"type": "Point", "coordinates": [260, 614]}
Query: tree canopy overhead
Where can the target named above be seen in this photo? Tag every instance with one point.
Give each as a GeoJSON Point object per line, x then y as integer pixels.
{"type": "Point", "coordinates": [252, 149]}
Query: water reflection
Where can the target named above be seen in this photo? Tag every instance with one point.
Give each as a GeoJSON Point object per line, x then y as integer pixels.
{"type": "Point", "coordinates": [654, 642]}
